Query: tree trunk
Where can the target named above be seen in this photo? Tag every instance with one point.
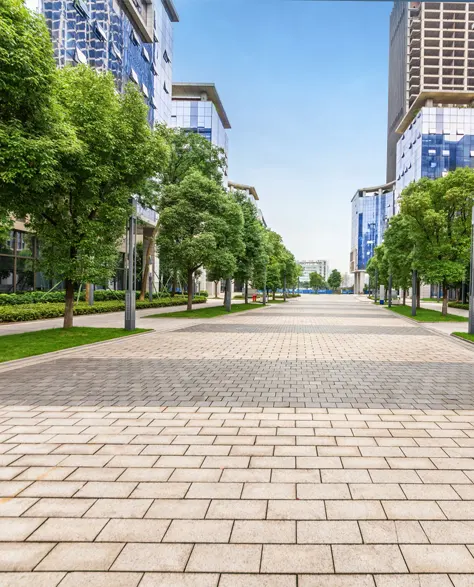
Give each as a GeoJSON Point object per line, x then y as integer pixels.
{"type": "Point", "coordinates": [215, 290]}
{"type": "Point", "coordinates": [173, 286]}
{"type": "Point", "coordinates": [228, 294]}
{"type": "Point", "coordinates": [190, 289]}
{"type": "Point", "coordinates": [68, 310]}
{"type": "Point", "coordinates": [88, 292]}
{"type": "Point", "coordinates": [444, 309]}
{"type": "Point", "coordinates": [149, 253]}
{"type": "Point", "coordinates": [404, 297]}
{"type": "Point", "coordinates": [273, 294]}
{"type": "Point", "coordinates": [418, 293]}
{"type": "Point", "coordinates": [246, 291]}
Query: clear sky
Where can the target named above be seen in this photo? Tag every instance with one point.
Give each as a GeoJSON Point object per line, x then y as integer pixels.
{"type": "Point", "coordinates": [304, 85]}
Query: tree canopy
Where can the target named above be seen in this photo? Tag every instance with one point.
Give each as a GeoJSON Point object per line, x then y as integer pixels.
{"type": "Point", "coordinates": [316, 281]}
{"type": "Point", "coordinates": [335, 279]}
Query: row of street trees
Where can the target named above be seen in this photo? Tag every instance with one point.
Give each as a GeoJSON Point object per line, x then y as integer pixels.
{"type": "Point", "coordinates": [317, 282]}
{"type": "Point", "coordinates": [73, 154]}
{"type": "Point", "coordinates": [431, 234]}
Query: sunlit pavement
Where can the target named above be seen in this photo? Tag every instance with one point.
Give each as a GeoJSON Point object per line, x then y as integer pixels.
{"type": "Point", "coordinates": [319, 443]}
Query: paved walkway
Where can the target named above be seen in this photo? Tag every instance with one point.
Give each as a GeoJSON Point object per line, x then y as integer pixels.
{"type": "Point", "coordinates": [107, 320]}
{"type": "Point", "coordinates": [323, 443]}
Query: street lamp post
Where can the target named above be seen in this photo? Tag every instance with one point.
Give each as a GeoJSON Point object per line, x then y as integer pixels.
{"type": "Point", "coordinates": [376, 285]}
{"type": "Point", "coordinates": [414, 293]}
{"type": "Point", "coordinates": [264, 295]}
{"type": "Point", "coordinates": [130, 295]}
{"type": "Point", "coordinates": [471, 283]}
{"type": "Point", "coordinates": [284, 286]}
{"type": "Point", "coordinates": [390, 290]}
{"type": "Point", "coordinates": [150, 279]}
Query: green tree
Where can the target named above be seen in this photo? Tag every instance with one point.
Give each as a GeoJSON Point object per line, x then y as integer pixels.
{"type": "Point", "coordinates": [187, 152]}
{"type": "Point", "coordinates": [438, 212]}
{"type": "Point", "coordinates": [399, 244]}
{"type": "Point", "coordinates": [253, 240]}
{"type": "Point", "coordinates": [199, 225]}
{"type": "Point", "coordinates": [335, 279]}
{"type": "Point", "coordinates": [80, 220]}
{"type": "Point", "coordinates": [316, 281]}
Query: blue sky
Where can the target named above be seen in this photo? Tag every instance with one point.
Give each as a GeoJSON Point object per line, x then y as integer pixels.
{"type": "Point", "coordinates": [305, 87]}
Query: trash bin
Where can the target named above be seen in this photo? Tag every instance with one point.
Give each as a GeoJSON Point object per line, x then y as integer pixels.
{"type": "Point", "coordinates": [382, 302]}
{"type": "Point", "coordinates": [254, 298]}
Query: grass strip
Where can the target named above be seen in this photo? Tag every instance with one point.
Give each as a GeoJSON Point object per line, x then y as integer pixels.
{"type": "Point", "coordinates": [29, 344]}
{"type": "Point", "coordinates": [424, 315]}
{"type": "Point", "coordinates": [211, 312]}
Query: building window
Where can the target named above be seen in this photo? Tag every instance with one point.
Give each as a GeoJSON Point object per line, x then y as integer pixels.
{"type": "Point", "coordinates": [116, 52]}
{"type": "Point", "coordinates": [79, 57]}
{"type": "Point", "coordinates": [99, 32]}
{"type": "Point", "coordinates": [145, 54]}
{"type": "Point", "coordinates": [134, 76]}
{"type": "Point", "coordinates": [134, 38]}
{"type": "Point", "coordinates": [165, 88]}
{"type": "Point", "coordinates": [166, 57]}
{"type": "Point", "coordinates": [82, 8]}
{"type": "Point", "coordinates": [19, 264]}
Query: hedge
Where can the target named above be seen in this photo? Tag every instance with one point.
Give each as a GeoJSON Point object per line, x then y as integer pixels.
{"type": "Point", "coordinates": [40, 297]}
{"type": "Point", "coordinates": [22, 313]}
{"type": "Point", "coordinates": [458, 305]}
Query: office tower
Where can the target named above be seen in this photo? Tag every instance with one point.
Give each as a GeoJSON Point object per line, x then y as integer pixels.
{"type": "Point", "coordinates": [371, 210]}
{"type": "Point", "coordinates": [131, 38]}
{"type": "Point", "coordinates": [252, 195]}
{"type": "Point", "coordinates": [198, 108]}
{"type": "Point", "coordinates": [431, 64]}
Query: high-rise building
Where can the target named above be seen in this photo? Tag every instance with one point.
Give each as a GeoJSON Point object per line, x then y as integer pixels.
{"type": "Point", "coordinates": [133, 39]}
{"type": "Point", "coordinates": [320, 266]}
{"type": "Point", "coordinates": [371, 210]}
{"type": "Point", "coordinates": [431, 65]}
{"type": "Point", "coordinates": [198, 108]}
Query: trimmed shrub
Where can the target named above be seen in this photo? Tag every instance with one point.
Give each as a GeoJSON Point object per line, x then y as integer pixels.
{"type": "Point", "coordinates": [204, 293]}
{"type": "Point", "coordinates": [458, 305]}
{"type": "Point", "coordinates": [38, 311]}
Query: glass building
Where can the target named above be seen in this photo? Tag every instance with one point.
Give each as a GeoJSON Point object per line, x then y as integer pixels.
{"type": "Point", "coordinates": [198, 108]}
{"type": "Point", "coordinates": [437, 141]}
{"type": "Point", "coordinates": [371, 211]}
{"type": "Point", "coordinates": [133, 39]}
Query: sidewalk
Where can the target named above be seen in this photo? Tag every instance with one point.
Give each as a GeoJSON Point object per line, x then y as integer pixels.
{"type": "Point", "coordinates": [110, 320]}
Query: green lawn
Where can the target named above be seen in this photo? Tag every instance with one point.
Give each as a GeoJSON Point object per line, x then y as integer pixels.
{"type": "Point", "coordinates": [431, 300]}
{"type": "Point", "coordinates": [211, 312]}
{"type": "Point", "coordinates": [28, 344]}
{"type": "Point", "coordinates": [464, 335]}
{"type": "Point", "coordinates": [424, 315]}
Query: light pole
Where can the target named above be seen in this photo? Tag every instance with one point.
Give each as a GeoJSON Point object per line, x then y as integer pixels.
{"type": "Point", "coordinates": [130, 295]}
{"type": "Point", "coordinates": [284, 286]}
{"type": "Point", "coordinates": [150, 279]}
{"type": "Point", "coordinates": [390, 290]}
{"type": "Point", "coordinates": [264, 295]}
{"type": "Point", "coordinates": [376, 285]}
{"type": "Point", "coordinates": [471, 283]}
{"type": "Point", "coordinates": [414, 293]}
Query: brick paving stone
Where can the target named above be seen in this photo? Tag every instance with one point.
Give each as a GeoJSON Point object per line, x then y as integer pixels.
{"type": "Point", "coordinates": [80, 557]}
{"type": "Point", "coordinates": [153, 557]}
{"type": "Point", "coordinates": [296, 558]}
{"type": "Point", "coordinates": [30, 579]}
{"type": "Point", "coordinates": [366, 558]}
{"type": "Point", "coordinates": [336, 581]}
{"type": "Point", "coordinates": [256, 449]}
{"type": "Point", "coordinates": [225, 558]}
{"type": "Point", "coordinates": [180, 580]}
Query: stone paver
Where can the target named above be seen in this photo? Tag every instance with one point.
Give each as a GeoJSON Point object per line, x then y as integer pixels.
{"type": "Point", "coordinates": [321, 443]}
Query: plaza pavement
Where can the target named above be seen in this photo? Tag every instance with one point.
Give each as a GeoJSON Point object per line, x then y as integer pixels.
{"type": "Point", "coordinates": [321, 443]}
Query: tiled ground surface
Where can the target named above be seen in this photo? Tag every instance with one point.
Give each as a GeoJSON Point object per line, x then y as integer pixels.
{"type": "Point", "coordinates": [320, 444]}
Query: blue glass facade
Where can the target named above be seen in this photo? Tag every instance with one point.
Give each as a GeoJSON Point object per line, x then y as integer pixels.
{"type": "Point", "coordinates": [104, 35]}
{"type": "Point", "coordinates": [201, 117]}
{"type": "Point", "coordinates": [371, 210]}
{"type": "Point", "coordinates": [437, 141]}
